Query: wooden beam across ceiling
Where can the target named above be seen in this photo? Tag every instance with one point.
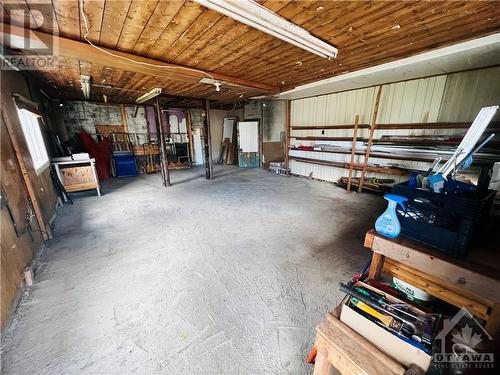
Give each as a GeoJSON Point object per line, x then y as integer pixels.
{"type": "Point", "coordinates": [123, 60]}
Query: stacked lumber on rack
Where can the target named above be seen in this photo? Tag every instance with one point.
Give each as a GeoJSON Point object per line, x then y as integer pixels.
{"type": "Point", "coordinates": [375, 168]}
{"type": "Point", "coordinates": [229, 146]}
{"type": "Point", "coordinates": [227, 152]}
{"type": "Point", "coordinates": [425, 149]}
{"type": "Point", "coordinates": [403, 153]}
{"type": "Point", "coordinates": [373, 183]}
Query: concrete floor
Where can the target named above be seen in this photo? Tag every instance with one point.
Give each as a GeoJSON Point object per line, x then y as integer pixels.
{"type": "Point", "coordinates": [228, 276]}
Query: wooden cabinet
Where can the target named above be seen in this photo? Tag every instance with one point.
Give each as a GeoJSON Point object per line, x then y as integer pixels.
{"type": "Point", "coordinates": [77, 175]}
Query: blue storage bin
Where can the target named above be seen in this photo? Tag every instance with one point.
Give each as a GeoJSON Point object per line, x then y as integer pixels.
{"type": "Point", "coordinates": [125, 164]}
{"type": "Point", "coordinates": [446, 222]}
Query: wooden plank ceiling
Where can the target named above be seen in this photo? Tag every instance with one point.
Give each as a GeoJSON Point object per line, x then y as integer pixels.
{"type": "Point", "coordinates": [367, 33]}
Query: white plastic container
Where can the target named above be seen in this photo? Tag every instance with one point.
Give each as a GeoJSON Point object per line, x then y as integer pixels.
{"type": "Point", "coordinates": [413, 293]}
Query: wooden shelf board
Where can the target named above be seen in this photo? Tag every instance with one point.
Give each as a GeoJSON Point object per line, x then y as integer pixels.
{"type": "Point", "coordinates": [372, 155]}
{"type": "Point", "coordinates": [478, 279]}
{"type": "Point", "coordinates": [494, 126]}
{"type": "Point", "coordinates": [80, 187]}
{"type": "Point", "coordinates": [329, 127]}
{"type": "Point", "coordinates": [310, 138]}
{"type": "Point", "coordinates": [374, 169]}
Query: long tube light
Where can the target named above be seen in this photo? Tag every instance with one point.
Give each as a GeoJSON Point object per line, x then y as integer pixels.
{"type": "Point", "coordinates": [85, 81]}
{"type": "Point", "coordinates": [255, 15]}
{"type": "Point", "coordinates": [149, 95]}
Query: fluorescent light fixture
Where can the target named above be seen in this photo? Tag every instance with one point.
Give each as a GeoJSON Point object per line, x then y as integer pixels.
{"type": "Point", "coordinates": [260, 97]}
{"type": "Point", "coordinates": [85, 80]}
{"type": "Point", "coordinates": [255, 15]}
{"type": "Point", "coordinates": [149, 95]}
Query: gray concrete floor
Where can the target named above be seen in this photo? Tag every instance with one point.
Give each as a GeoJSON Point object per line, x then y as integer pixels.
{"type": "Point", "coordinates": [228, 276]}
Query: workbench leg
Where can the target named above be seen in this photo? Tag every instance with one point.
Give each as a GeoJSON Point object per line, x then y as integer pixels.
{"type": "Point", "coordinates": [58, 173]}
{"type": "Point", "coordinates": [376, 266]}
{"type": "Point", "coordinates": [493, 323]}
{"type": "Point", "coordinates": [321, 365]}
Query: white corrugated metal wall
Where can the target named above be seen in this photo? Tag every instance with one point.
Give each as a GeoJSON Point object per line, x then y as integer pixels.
{"type": "Point", "coordinates": [467, 92]}
{"type": "Point", "coordinates": [439, 98]}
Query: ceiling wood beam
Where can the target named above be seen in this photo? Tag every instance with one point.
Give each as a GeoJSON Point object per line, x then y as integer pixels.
{"type": "Point", "coordinates": [86, 52]}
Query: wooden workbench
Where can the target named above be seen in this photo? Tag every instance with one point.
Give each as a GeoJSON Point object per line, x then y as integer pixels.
{"type": "Point", "coordinates": [348, 352]}
{"type": "Point", "coordinates": [463, 283]}
{"type": "Point", "coordinates": [77, 175]}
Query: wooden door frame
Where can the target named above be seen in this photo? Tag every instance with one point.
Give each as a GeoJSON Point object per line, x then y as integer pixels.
{"type": "Point", "coordinates": [45, 229]}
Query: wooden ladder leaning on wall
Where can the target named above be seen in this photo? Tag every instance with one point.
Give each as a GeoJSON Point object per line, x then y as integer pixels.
{"type": "Point", "coordinates": [370, 140]}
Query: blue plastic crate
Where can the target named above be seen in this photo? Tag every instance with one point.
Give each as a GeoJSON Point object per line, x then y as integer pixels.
{"type": "Point", "coordinates": [446, 222]}
{"type": "Point", "coordinates": [125, 164]}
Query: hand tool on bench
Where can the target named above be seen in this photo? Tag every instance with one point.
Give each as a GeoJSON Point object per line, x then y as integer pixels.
{"type": "Point", "coordinates": [418, 327]}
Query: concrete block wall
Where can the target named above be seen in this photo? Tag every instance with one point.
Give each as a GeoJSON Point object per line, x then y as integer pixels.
{"type": "Point", "coordinates": [139, 123]}
{"type": "Point", "coordinates": [81, 115]}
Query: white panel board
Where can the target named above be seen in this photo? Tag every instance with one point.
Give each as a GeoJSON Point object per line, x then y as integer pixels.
{"type": "Point", "coordinates": [198, 150]}
{"type": "Point", "coordinates": [174, 123]}
{"type": "Point", "coordinates": [248, 136]}
{"type": "Point", "coordinates": [228, 128]}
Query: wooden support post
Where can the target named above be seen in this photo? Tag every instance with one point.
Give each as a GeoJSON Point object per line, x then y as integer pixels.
{"type": "Point", "coordinates": [124, 118]}
{"type": "Point", "coordinates": [261, 135]}
{"type": "Point", "coordinates": [189, 126]}
{"type": "Point", "coordinates": [353, 152]}
{"type": "Point", "coordinates": [165, 174]}
{"type": "Point", "coordinates": [370, 139]}
{"type": "Point", "coordinates": [493, 323]}
{"type": "Point", "coordinates": [208, 143]}
{"type": "Point", "coordinates": [287, 134]}
{"type": "Point", "coordinates": [321, 365]}
{"type": "Point", "coordinates": [376, 266]}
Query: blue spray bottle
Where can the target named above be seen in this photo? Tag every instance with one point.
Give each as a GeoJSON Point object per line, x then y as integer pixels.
{"type": "Point", "coordinates": [388, 224]}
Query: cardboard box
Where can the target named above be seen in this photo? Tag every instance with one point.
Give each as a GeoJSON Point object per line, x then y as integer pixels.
{"type": "Point", "coordinates": [401, 351]}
